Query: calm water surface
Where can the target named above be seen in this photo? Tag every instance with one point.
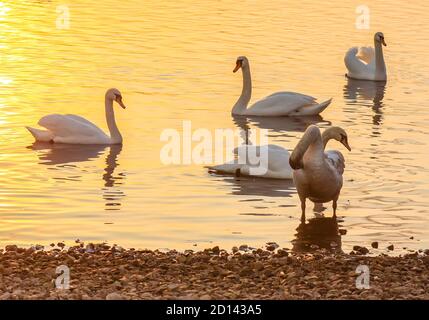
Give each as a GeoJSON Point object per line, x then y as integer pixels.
{"type": "Point", "coordinates": [173, 61]}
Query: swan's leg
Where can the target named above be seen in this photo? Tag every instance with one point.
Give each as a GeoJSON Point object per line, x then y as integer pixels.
{"type": "Point", "coordinates": [302, 209]}
{"type": "Point", "coordinates": [334, 206]}
{"type": "Point", "coordinates": [238, 173]}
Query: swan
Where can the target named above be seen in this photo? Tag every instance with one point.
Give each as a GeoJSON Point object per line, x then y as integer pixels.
{"type": "Point", "coordinates": [277, 165]}
{"type": "Point", "coordinates": [277, 104]}
{"type": "Point", "coordinates": [318, 175]}
{"type": "Point", "coordinates": [73, 129]}
{"type": "Point", "coordinates": [365, 63]}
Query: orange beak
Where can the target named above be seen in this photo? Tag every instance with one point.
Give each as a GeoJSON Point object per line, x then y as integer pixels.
{"type": "Point", "coordinates": [237, 66]}
{"type": "Point", "coordinates": [382, 41]}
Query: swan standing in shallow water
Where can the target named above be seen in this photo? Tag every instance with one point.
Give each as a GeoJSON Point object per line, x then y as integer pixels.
{"type": "Point", "coordinates": [74, 129]}
{"type": "Point", "coordinates": [318, 175]}
{"type": "Point", "coordinates": [365, 63]}
{"type": "Point", "coordinates": [277, 104]}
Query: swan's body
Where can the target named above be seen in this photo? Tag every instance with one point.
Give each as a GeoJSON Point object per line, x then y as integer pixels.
{"type": "Point", "coordinates": [277, 104]}
{"type": "Point", "coordinates": [277, 165]}
{"type": "Point", "coordinates": [318, 175]}
{"type": "Point", "coordinates": [73, 129]}
{"type": "Point", "coordinates": [366, 63]}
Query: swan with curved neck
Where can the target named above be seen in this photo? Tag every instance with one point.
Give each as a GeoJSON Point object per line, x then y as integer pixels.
{"type": "Point", "coordinates": [277, 104]}
{"type": "Point", "coordinates": [366, 63]}
{"type": "Point", "coordinates": [318, 175]}
{"type": "Point", "coordinates": [74, 129]}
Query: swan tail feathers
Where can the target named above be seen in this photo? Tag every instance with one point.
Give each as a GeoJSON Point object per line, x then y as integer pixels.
{"type": "Point", "coordinates": [322, 106]}
{"type": "Point", "coordinates": [312, 110]}
{"type": "Point", "coordinates": [41, 135]}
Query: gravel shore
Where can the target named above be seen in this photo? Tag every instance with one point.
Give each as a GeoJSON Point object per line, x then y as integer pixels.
{"type": "Point", "coordinates": [104, 272]}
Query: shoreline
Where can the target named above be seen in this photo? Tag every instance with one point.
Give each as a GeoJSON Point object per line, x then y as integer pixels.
{"type": "Point", "coordinates": [100, 271]}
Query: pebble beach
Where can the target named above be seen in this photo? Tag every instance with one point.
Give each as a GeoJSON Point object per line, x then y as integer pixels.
{"type": "Point", "coordinates": [100, 271]}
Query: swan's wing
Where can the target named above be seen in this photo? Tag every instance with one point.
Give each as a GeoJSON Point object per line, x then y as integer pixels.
{"type": "Point", "coordinates": [81, 119]}
{"type": "Point", "coordinates": [293, 94]}
{"type": "Point", "coordinates": [354, 65]}
{"type": "Point", "coordinates": [366, 54]}
{"type": "Point", "coordinates": [69, 126]}
{"type": "Point", "coordinates": [278, 157]}
{"type": "Point", "coordinates": [337, 160]}
{"type": "Point", "coordinates": [281, 103]}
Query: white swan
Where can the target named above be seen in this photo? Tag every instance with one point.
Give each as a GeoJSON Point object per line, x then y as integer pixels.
{"type": "Point", "coordinates": [277, 166]}
{"type": "Point", "coordinates": [277, 104]}
{"type": "Point", "coordinates": [365, 63]}
{"type": "Point", "coordinates": [318, 175]}
{"type": "Point", "coordinates": [74, 129]}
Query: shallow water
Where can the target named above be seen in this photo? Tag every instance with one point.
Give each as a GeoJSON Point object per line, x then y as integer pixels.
{"type": "Point", "coordinates": [172, 61]}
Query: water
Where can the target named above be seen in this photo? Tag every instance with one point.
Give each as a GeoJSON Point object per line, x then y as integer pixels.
{"type": "Point", "coordinates": [173, 61]}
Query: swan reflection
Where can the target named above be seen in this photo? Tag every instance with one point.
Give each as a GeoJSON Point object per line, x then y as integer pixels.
{"type": "Point", "coordinates": [251, 186]}
{"type": "Point", "coordinates": [62, 155]}
{"type": "Point", "coordinates": [364, 91]}
{"type": "Point", "coordinates": [112, 194]}
{"type": "Point", "coordinates": [318, 233]}
{"type": "Point", "coordinates": [282, 126]}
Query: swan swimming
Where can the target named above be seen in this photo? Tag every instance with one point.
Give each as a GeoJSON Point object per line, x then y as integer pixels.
{"type": "Point", "coordinates": [74, 129]}
{"type": "Point", "coordinates": [318, 175]}
{"type": "Point", "coordinates": [365, 63]}
{"type": "Point", "coordinates": [277, 166]}
{"type": "Point", "coordinates": [277, 104]}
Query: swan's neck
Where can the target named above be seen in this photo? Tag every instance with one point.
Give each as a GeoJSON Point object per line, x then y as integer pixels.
{"type": "Point", "coordinates": [380, 66]}
{"type": "Point", "coordinates": [311, 141]}
{"type": "Point", "coordinates": [326, 136]}
{"type": "Point", "coordinates": [242, 102]}
{"type": "Point", "coordinates": [115, 135]}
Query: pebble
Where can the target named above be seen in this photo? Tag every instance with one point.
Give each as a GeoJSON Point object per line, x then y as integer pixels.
{"type": "Point", "coordinates": [374, 245]}
{"type": "Point", "coordinates": [114, 296]}
{"type": "Point", "coordinates": [243, 247]}
{"type": "Point", "coordinates": [11, 247]}
{"type": "Point", "coordinates": [361, 250]}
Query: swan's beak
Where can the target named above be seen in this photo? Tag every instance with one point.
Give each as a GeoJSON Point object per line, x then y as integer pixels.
{"type": "Point", "coordinates": [237, 66]}
{"type": "Point", "coordinates": [383, 42]}
{"type": "Point", "coordinates": [345, 142]}
{"type": "Point", "coordinates": [119, 101]}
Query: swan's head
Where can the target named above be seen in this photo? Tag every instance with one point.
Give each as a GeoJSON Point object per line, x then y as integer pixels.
{"type": "Point", "coordinates": [115, 95]}
{"type": "Point", "coordinates": [340, 135]}
{"type": "Point", "coordinates": [379, 37]}
{"type": "Point", "coordinates": [241, 62]}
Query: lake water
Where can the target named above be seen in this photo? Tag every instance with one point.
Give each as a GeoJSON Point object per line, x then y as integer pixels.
{"type": "Point", "coordinates": [173, 61]}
